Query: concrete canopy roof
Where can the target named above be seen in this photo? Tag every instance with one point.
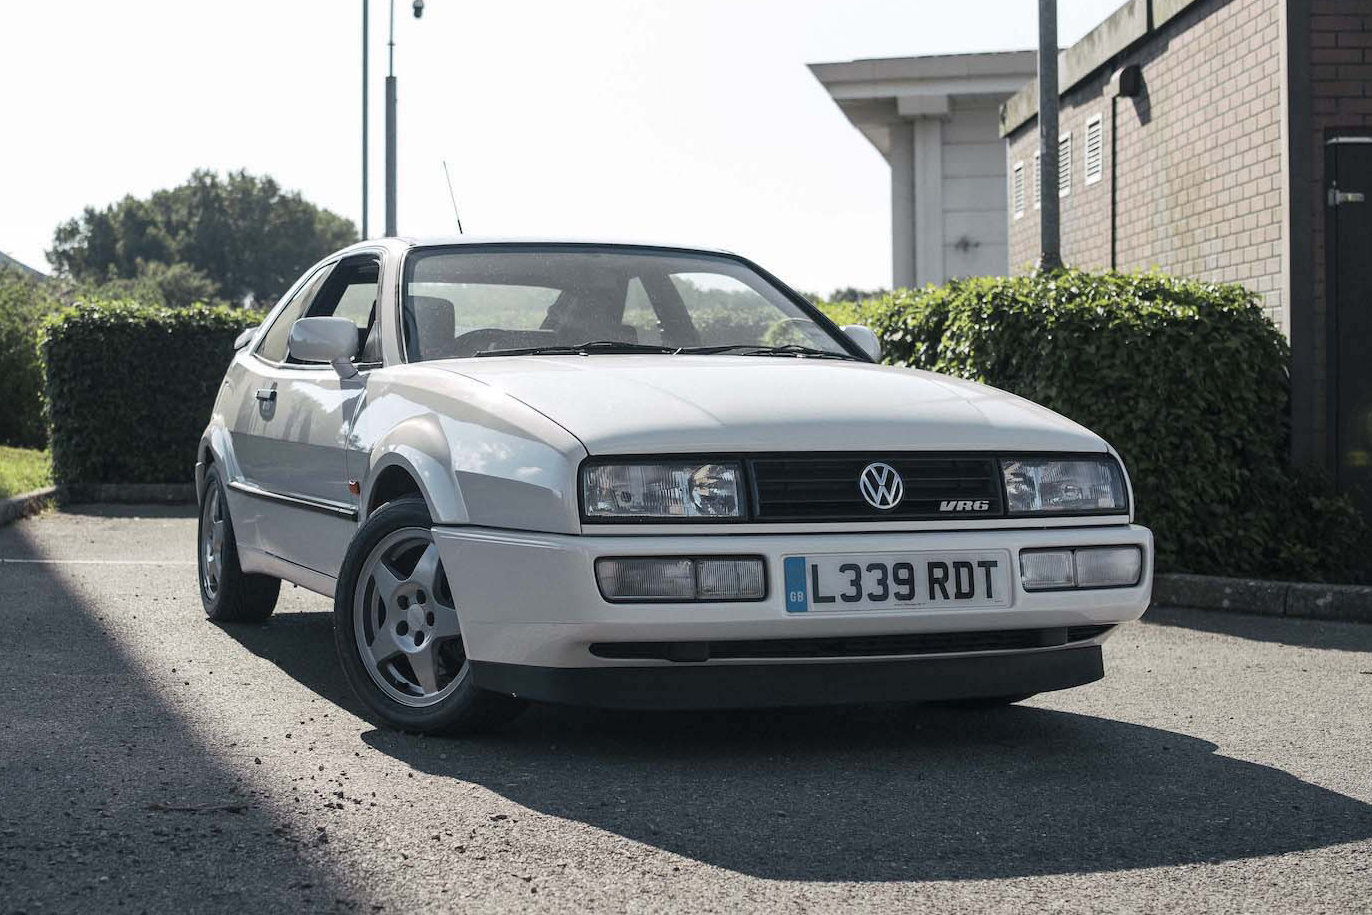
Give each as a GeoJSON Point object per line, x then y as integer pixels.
{"type": "Point", "coordinates": [877, 92]}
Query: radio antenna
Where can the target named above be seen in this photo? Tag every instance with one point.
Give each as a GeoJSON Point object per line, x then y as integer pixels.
{"type": "Point", "coordinates": [452, 197]}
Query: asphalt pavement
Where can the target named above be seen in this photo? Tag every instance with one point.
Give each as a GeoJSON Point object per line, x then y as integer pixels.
{"type": "Point", "coordinates": [153, 761]}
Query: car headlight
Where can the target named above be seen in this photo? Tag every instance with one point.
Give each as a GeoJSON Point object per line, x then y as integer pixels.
{"type": "Point", "coordinates": [1047, 485]}
{"type": "Point", "coordinates": [674, 489]}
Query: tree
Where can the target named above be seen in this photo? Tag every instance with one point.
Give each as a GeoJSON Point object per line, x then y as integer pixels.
{"type": "Point", "coordinates": [170, 285]}
{"type": "Point", "coordinates": [242, 233]}
{"type": "Point", "coordinates": [24, 302]}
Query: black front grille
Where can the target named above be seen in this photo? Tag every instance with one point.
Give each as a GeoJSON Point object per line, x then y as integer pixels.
{"type": "Point", "coordinates": [866, 646]}
{"type": "Point", "coordinates": [826, 487]}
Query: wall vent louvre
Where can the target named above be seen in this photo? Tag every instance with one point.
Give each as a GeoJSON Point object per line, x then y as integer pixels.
{"type": "Point", "coordinates": [1064, 165]}
{"type": "Point", "coordinates": [1017, 189]}
{"type": "Point", "coordinates": [1095, 151]}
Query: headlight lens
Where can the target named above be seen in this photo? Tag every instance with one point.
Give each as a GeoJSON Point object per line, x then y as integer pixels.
{"type": "Point", "coordinates": [1048, 485]}
{"type": "Point", "coordinates": [662, 490]}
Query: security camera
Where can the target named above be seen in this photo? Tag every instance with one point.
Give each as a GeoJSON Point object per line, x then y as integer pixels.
{"type": "Point", "coordinates": [418, 8]}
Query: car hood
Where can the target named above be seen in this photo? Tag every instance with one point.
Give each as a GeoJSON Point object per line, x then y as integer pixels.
{"type": "Point", "coordinates": [642, 404]}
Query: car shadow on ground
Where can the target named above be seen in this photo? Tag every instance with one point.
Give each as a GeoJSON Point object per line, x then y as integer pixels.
{"type": "Point", "coordinates": [871, 793]}
{"type": "Point", "coordinates": [1321, 634]}
{"type": "Point", "coordinates": [140, 510]}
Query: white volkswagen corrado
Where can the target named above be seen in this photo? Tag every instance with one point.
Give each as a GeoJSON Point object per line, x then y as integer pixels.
{"type": "Point", "coordinates": [651, 477]}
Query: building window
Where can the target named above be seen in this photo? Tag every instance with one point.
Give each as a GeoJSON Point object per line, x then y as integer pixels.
{"type": "Point", "coordinates": [1065, 165]}
{"type": "Point", "coordinates": [1038, 180]}
{"type": "Point", "coordinates": [1017, 189]}
{"type": "Point", "coordinates": [1095, 151]}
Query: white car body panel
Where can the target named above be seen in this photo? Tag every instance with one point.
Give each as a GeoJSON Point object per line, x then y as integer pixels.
{"type": "Point", "coordinates": [549, 619]}
{"type": "Point", "coordinates": [495, 445]}
{"type": "Point", "coordinates": [636, 404]}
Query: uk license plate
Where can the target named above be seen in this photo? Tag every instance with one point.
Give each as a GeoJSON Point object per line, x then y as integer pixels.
{"type": "Point", "coordinates": [897, 581]}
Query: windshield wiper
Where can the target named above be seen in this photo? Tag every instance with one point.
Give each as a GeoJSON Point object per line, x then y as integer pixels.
{"type": "Point", "coordinates": [582, 349]}
{"type": "Point", "coordinates": [620, 346]}
{"type": "Point", "coordinates": [789, 349]}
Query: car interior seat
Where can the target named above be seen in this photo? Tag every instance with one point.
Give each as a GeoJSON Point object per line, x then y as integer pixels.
{"type": "Point", "coordinates": [430, 327]}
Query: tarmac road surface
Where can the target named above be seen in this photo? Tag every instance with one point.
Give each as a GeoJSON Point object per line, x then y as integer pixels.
{"type": "Point", "coordinates": [152, 761]}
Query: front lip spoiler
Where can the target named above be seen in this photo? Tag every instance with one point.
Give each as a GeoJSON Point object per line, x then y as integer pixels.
{"type": "Point", "coordinates": [706, 686]}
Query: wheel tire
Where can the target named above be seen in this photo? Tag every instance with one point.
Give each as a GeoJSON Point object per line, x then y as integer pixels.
{"type": "Point", "coordinates": [228, 594]}
{"type": "Point", "coordinates": [984, 702]}
{"type": "Point", "coordinates": [360, 603]}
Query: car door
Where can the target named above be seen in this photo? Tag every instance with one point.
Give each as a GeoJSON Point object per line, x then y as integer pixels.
{"type": "Point", "coordinates": [292, 451]}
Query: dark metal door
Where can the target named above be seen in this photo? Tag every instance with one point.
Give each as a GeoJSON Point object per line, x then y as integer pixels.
{"type": "Point", "coordinates": [1350, 202]}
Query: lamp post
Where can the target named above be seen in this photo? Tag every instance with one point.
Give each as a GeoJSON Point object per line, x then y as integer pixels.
{"type": "Point", "coordinates": [418, 7]}
{"type": "Point", "coordinates": [1050, 252]}
{"type": "Point", "coordinates": [365, 84]}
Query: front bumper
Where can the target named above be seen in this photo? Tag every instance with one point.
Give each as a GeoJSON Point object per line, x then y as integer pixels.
{"type": "Point", "coordinates": [682, 686]}
{"type": "Point", "coordinates": [531, 599]}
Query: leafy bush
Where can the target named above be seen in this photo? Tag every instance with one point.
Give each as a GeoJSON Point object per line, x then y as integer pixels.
{"type": "Point", "coordinates": [130, 388]}
{"type": "Point", "coordinates": [23, 303]}
{"type": "Point", "coordinates": [1189, 381]}
{"type": "Point", "coordinates": [169, 285]}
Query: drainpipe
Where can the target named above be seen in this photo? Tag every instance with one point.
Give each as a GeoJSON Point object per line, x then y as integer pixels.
{"type": "Point", "coordinates": [1125, 83]}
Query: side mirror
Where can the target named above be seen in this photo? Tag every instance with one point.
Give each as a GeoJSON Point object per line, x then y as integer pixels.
{"type": "Point", "coordinates": [865, 338]}
{"type": "Point", "coordinates": [245, 338]}
{"type": "Point", "coordinates": [331, 340]}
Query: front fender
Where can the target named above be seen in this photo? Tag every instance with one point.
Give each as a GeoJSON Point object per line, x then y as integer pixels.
{"type": "Point", "coordinates": [419, 447]}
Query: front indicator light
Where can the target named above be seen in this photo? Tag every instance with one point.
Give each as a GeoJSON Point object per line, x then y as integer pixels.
{"type": "Point", "coordinates": [1089, 567]}
{"type": "Point", "coordinates": [1109, 567]}
{"type": "Point", "coordinates": [647, 579]}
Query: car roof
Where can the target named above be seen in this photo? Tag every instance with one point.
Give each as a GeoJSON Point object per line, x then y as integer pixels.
{"type": "Point", "coordinates": [433, 241]}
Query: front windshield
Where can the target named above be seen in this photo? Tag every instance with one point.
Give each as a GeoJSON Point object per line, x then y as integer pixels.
{"type": "Point", "coordinates": [461, 302]}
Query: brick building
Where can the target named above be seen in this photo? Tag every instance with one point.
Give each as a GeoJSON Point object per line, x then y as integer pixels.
{"type": "Point", "coordinates": [1228, 140]}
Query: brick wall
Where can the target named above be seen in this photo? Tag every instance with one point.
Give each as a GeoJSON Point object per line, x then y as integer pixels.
{"type": "Point", "coordinates": [1198, 179]}
{"type": "Point", "coordinates": [1341, 102]}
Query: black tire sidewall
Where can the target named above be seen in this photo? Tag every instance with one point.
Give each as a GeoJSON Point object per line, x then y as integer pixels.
{"type": "Point", "coordinates": [243, 597]}
{"type": "Point", "coordinates": [229, 571]}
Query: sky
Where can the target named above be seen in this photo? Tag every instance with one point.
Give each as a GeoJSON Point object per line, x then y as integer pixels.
{"type": "Point", "coordinates": [692, 121]}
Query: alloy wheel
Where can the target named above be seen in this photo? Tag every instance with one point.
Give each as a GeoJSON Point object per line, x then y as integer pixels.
{"type": "Point", "coordinates": [405, 620]}
{"type": "Point", "coordinates": [212, 543]}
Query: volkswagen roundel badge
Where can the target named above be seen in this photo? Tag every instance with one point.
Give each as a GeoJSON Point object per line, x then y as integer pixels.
{"type": "Point", "coordinates": [881, 486]}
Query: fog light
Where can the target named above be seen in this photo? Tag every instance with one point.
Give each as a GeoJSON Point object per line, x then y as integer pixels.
{"type": "Point", "coordinates": [678, 578]}
{"type": "Point", "coordinates": [1109, 567]}
{"type": "Point", "coordinates": [646, 579]}
{"type": "Point", "coordinates": [1041, 570]}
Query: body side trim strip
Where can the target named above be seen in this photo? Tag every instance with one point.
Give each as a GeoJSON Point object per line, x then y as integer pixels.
{"type": "Point", "coordinates": [319, 505]}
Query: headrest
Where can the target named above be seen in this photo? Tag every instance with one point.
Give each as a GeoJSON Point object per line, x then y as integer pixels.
{"type": "Point", "coordinates": [435, 325]}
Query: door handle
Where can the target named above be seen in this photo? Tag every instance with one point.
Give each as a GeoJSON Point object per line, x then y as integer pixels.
{"type": "Point", "coordinates": [1338, 198]}
{"type": "Point", "coordinates": [266, 395]}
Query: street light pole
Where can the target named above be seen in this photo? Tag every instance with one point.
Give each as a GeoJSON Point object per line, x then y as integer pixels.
{"type": "Point", "coordinates": [390, 128]}
{"type": "Point", "coordinates": [418, 6]}
{"type": "Point", "coordinates": [1050, 254]}
{"type": "Point", "coordinates": [365, 84]}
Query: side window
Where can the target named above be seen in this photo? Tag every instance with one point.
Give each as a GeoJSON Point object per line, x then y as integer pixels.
{"type": "Point", "coordinates": [350, 293]}
{"type": "Point", "coordinates": [273, 345]}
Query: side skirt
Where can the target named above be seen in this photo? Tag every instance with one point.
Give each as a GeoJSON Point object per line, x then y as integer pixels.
{"type": "Point", "coordinates": [268, 564]}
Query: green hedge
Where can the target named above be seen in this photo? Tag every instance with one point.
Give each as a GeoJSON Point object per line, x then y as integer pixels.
{"type": "Point", "coordinates": [23, 303]}
{"type": "Point", "coordinates": [1189, 381]}
{"type": "Point", "coordinates": [130, 388]}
